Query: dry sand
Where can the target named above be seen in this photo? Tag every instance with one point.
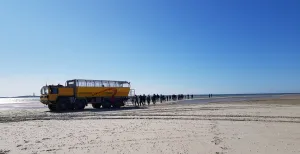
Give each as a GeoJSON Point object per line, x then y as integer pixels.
{"type": "Point", "coordinates": [254, 126]}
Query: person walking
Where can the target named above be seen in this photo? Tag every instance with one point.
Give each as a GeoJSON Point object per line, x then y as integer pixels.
{"type": "Point", "coordinates": [144, 99]}
{"type": "Point", "coordinates": [136, 100]}
{"type": "Point", "coordinates": [141, 100]}
{"type": "Point", "coordinates": [148, 100]}
{"type": "Point", "coordinates": [154, 99]}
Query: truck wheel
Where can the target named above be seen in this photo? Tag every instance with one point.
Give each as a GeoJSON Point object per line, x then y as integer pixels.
{"type": "Point", "coordinates": [52, 107]}
{"type": "Point", "coordinates": [61, 106]}
{"type": "Point", "coordinates": [70, 106]}
{"type": "Point", "coordinates": [96, 105]}
{"type": "Point", "coordinates": [79, 105]}
{"type": "Point", "coordinates": [106, 105]}
{"type": "Point", "coordinates": [116, 106]}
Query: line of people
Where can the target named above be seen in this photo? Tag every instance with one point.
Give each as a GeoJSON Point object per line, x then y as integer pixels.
{"type": "Point", "coordinates": [142, 99]}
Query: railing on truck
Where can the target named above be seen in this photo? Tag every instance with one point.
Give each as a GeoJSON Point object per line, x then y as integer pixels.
{"type": "Point", "coordinates": [96, 83]}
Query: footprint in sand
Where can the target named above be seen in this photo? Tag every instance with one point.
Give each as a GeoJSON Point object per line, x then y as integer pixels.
{"type": "Point", "coordinates": [46, 139]}
{"type": "Point", "coordinates": [217, 140]}
{"type": "Point", "coordinates": [24, 149]}
{"type": "Point", "coordinates": [4, 151]}
{"type": "Point", "coordinates": [51, 150]}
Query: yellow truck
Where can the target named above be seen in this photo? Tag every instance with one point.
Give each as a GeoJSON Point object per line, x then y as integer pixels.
{"type": "Point", "coordinates": [78, 93]}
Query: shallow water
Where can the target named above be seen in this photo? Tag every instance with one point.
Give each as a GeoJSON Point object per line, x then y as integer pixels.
{"type": "Point", "coordinates": [23, 103]}
{"type": "Point", "coordinates": [18, 100]}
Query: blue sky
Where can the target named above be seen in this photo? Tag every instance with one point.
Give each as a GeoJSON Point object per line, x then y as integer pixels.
{"type": "Point", "coordinates": [166, 46]}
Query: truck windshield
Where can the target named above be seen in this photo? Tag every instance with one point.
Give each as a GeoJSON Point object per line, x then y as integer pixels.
{"type": "Point", "coordinates": [44, 91]}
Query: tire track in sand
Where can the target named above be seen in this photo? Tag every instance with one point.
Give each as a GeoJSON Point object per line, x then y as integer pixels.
{"type": "Point", "coordinates": [217, 140]}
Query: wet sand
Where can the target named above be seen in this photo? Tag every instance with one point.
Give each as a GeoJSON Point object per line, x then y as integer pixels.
{"type": "Point", "coordinates": [256, 125]}
{"type": "Point", "coordinates": [34, 103]}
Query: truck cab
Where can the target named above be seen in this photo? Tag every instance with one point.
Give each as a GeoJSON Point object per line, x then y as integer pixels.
{"type": "Point", "coordinates": [49, 94]}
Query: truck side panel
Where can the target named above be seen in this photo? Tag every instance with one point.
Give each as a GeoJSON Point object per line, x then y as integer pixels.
{"type": "Point", "coordinates": [66, 91]}
{"type": "Point", "coordinates": [61, 92]}
{"type": "Point", "coordinates": [52, 97]}
{"type": "Point", "coordinates": [102, 91]}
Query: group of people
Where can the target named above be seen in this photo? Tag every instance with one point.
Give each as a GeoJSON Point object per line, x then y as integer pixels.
{"type": "Point", "coordinates": [142, 99]}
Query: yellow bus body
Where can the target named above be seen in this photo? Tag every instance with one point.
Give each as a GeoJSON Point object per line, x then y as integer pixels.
{"type": "Point", "coordinates": [86, 92]}
{"type": "Point", "coordinates": [78, 93]}
{"type": "Point", "coordinates": [102, 91]}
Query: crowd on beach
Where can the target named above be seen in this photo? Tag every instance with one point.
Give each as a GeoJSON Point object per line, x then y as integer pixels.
{"type": "Point", "coordinates": [139, 100]}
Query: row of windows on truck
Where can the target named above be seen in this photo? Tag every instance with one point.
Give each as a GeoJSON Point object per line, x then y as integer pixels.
{"type": "Point", "coordinates": [97, 84]}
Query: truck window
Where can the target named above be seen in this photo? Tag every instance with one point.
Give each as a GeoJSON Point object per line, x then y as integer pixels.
{"type": "Point", "coordinates": [46, 90]}
{"type": "Point", "coordinates": [98, 84]}
{"type": "Point", "coordinates": [112, 84]}
{"type": "Point", "coordinates": [70, 83]}
{"type": "Point", "coordinates": [81, 84]}
{"type": "Point", "coordinates": [90, 84]}
{"type": "Point", "coordinates": [106, 84]}
{"type": "Point", "coordinates": [54, 90]}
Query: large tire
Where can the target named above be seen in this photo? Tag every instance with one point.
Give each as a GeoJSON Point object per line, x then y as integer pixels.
{"type": "Point", "coordinates": [52, 107]}
{"type": "Point", "coordinates": [106, 104]}
{"type": "Point", "coordinates": [61, 106]}
{"type": "Point", "coordinates": [96, 105]}
{"type": "Point", "coordinates": [118, 103]}
{"type": "Point", "coordinates": [70, 106]}
{"type": "Point", "coordinates": [116, 106]}
{"type": "Point", "coordinates": [79, 104]}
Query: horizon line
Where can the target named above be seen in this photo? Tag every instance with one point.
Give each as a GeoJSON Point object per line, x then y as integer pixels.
{"type": "Point", "coordinates": [179, 94]}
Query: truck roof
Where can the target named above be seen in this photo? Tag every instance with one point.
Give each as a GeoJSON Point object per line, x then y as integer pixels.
{"type": "Point", "coordinates": [88, 80]}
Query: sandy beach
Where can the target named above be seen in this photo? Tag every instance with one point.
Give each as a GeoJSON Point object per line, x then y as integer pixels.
{"type": "Point", "coordinates": [261, 125]}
